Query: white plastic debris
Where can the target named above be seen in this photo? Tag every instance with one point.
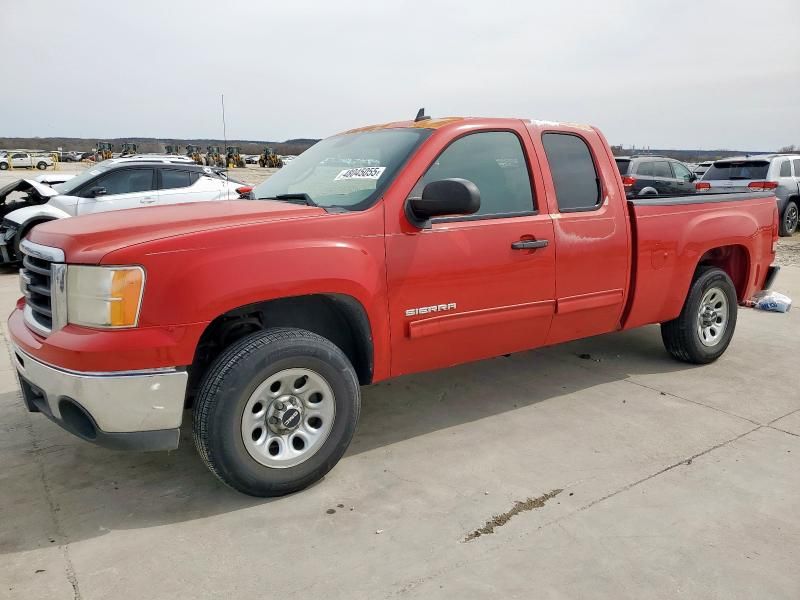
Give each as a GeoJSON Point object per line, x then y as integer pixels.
{"type": "Point", "coordinates": [771, 301]}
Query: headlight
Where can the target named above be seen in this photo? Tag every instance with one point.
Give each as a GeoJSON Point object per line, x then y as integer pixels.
{"type": "Point", "coordinates": [104, 296]}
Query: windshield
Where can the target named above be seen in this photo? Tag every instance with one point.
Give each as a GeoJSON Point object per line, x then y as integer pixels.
{"type": "Point", "coordinates": [73, 184]}
{"type": "Point", "coordinates": [748, 169]}
{"type": "Point", "coordinates": [347, 171]}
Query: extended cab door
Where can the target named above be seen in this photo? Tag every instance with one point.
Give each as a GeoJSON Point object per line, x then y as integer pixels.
{"type": "Point", "coordinates": [131, 187]}
{"type": "Point", "coordinates": [470, 287]}
{"type": "Point", "coordinates": [590, 230]}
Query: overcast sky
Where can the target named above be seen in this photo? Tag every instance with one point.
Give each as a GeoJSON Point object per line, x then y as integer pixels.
{"type": "Point", "coordinates": [668, 74]}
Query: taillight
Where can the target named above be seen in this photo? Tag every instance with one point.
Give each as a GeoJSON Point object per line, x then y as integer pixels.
{"type": "Point", "coordinates": [702, 185]}
{"type": "Point", "coordinates": [244, 190]}
{"type": "Point", "coordinates": [628, 181]}
{"type": "Point", "coordinates": [762, 185]}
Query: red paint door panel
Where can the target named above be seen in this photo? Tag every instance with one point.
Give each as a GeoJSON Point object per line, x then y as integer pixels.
{"type": "Point", "coordinates": [497, 300]}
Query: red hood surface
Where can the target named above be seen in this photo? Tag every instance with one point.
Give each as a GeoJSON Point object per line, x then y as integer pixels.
{"type": "Point", "coordinates": [87, 239]}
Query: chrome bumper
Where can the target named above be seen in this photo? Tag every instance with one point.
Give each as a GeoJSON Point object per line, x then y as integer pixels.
{"type": "Point", "coordinates": [139, 410]}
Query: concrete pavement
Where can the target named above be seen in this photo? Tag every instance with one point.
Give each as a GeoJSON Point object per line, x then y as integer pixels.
{"type": "Point", "coordinates": [676, 481]}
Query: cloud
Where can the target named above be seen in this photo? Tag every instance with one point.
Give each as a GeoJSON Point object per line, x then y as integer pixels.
{"type": "Point", "coordinates": [664, 74]}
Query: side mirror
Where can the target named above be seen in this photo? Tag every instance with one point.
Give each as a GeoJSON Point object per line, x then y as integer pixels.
{"type": "Point", "coordinates": [692, 177]}
{"type": "Point", "coordinates": [445, 197]}
{"type": "Point", "coordinates": [97, 191]}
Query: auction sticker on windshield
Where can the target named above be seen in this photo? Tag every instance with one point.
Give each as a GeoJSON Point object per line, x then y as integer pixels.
{"type": "Point", "coordinates": [360, 173]}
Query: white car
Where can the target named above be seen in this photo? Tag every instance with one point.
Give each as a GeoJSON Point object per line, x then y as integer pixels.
{"type": "Point", "coordinates": [25, 160]}
{"type": "Point", "coordinates": [110, 185]}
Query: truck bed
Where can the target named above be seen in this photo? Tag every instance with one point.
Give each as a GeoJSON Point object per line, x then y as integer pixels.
{"type": "Point", "coordinates": [672, 234]}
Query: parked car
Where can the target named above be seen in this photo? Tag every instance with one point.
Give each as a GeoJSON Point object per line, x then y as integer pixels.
{"type": "Point", "coordinates": [25, 160]}
{"type": "Point", "coordinates": [111, 185]}
{"type": "Point", "coordinates": [702, 167]}
{"type": "Point", "coordinates": [777, 173]}
{"type": "Point", "coordinates": [464, 239]}
{"type": "Point", "coordinates": [654, 175]}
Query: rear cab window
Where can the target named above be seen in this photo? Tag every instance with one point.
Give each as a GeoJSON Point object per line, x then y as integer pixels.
{"type": "Point", "coordinates": [574, 174]}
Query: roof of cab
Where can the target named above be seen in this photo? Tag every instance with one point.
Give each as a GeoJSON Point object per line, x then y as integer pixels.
{"type": "Point", "coordinates": [437, 123]}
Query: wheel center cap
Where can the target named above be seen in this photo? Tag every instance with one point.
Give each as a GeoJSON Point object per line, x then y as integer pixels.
{"type": "Point", "coordinates": [290, 418]}
{"type": "Point", "coordinates": [285, 414]}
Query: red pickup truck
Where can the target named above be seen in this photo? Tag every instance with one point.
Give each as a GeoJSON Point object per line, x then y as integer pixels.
{"type": "Point", "coordinates": [378, 252]}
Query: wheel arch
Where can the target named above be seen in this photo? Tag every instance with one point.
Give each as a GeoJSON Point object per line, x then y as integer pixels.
{"type": "Point", "coordinates": [340, 318]}
{"type": "Point", "coordinates": [735, 260]}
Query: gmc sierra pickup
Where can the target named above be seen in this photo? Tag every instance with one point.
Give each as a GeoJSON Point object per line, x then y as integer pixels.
{"type": "Point", "coordinates": [378, 252]}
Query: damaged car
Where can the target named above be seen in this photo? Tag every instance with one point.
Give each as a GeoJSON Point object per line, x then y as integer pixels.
{"type": "Point", "coordinates": [110, 185]}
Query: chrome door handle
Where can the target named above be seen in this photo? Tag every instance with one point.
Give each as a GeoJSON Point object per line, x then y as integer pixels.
{"type": "Point", "coordinates": [529, 244]}
{"type": "Point", "coordinates": [147, 200]}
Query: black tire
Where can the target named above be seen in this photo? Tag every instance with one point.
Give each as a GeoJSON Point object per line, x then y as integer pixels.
{"type": "Point", "coordinates": [41, 165]}
{"type": "Point", "coordinates": [789, 219]}
{"type": "Point", "coordinates": [681, 336]}
{"type": "Point", "coordinates": [20, 235]}
{"type": "Point", "coordinates": [227, 387]}
{"type": "Point", "coordinates": [3, 166]}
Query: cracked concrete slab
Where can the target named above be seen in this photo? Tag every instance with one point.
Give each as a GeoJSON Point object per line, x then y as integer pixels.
{"type": "Point", "coordinates": [435, 456]}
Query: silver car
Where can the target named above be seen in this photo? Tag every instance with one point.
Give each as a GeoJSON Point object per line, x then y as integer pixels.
{"type": "Point", "coordinates": [775, 173]}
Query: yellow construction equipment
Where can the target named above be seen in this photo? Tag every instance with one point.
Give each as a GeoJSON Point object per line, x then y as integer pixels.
{"type": "Point", "coordinates": [269, 159]}
{"type": "Point", "coordinates": [172, 149]}
{"type": "Point", "coordinates": [129, 149]}
{"type": "Point", "coordinates": [193, 152]}
{"type": "Point", "coordinates": [233, 157]}
{"type": "Point", "coordinates": [104, 151]}
{"type": "Point", "coordinates": [214, 157]}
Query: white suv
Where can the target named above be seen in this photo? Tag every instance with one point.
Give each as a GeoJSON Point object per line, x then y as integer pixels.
{"type": "Point", "coordinates": [110, 185]}
{"type": "Point", "coordinates": [778, 174]}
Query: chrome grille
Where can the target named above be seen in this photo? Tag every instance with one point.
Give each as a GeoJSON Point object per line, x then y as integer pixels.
{"type": "Point", "coordinates": [36, 275]}
{"type": "Point", "coordinates": [41, 278]}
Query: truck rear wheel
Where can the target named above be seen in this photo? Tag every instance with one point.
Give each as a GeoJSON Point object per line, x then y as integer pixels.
{"type": "Point", "coordinates": [276, 411]}
{"type": "Point", "coordinates": [703, 330]}
{"type": "Point", "coordinates": [41, 165]}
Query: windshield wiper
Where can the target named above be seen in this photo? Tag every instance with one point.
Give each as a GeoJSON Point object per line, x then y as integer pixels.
{"type": "Point", "coordinates": [302, 197]}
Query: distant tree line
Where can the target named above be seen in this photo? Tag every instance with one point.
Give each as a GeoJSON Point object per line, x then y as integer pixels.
{"type": "Point", "coordinates": [293, 146]}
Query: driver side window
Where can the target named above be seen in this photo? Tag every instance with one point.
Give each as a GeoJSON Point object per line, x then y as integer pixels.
{"type": "Point", "coordinates": [494, 161]}
{"type": "Point", "coordinates": [124, 181]}
{"type": "Point", "coordinates": [681, 172]}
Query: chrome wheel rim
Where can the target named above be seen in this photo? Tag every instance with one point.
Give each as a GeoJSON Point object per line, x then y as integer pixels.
{"type": "Point", "coordinates": [288, 417]}
{"type": "Point", "coordinates": [790, 220]}
{"type": "Point", "coordinates": [712, 317]}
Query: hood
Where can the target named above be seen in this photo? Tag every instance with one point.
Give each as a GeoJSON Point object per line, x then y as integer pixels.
{"type": "Point", "coordinates": [88, 238]}
{"type": "Point", "coordinates": [29, 186]}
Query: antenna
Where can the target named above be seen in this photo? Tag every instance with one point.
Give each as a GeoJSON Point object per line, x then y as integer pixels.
{"type": "Point", "coordinates": [421, 116]}
{"type": "Point", "coordinates": [224, 130]}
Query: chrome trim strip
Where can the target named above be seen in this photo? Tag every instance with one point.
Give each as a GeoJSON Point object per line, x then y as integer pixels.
{"type": "Point", "coordinates": [58, 295]}
{"type": "Point", "coordinates": [30, 321]}
{"type": "Point", "coordinates": [129, 373]}
{"type": "Point", "coordinates": [43, 252]}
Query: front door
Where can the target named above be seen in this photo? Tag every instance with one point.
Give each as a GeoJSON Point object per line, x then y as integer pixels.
{"type": "Point", "coordinates": [122, 188]}
{"type": "Point", "coordinates": [473, 287]}
{"type": "Point", "coordinates": [684, 182]}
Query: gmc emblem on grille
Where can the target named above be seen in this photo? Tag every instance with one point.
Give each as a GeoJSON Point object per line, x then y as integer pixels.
{"type": "Point", "coordinates": [436, 308]}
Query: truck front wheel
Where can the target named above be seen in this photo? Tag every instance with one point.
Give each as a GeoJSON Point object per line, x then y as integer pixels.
{"type": "Point", "coordinates": [703, 330]}
{"type": "Point", "coordinates": [276, 411]}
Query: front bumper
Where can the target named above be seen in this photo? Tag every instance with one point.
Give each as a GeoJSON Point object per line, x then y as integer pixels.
{"type": "Point", "coordinates": [135, 410]}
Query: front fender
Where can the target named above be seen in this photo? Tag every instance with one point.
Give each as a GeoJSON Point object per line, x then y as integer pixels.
{"type": "Point", "coordinates": [24, 215]}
